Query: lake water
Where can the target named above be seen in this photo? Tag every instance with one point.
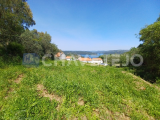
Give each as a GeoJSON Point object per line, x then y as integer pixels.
{"type": "Point", "coordinates": [91, 56]}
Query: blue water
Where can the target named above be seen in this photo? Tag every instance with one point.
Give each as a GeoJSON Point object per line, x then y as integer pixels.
{"type": "Point", "coordinates": [91, 56]}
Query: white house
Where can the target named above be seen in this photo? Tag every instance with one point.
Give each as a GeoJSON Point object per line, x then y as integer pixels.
{"type": "Point", "coordinates": [97, 60]}
{"type": "Point", "coordinates": [86, 60]}
{"type": "Point", "coordinates": [61, 55]}
{"type": "Point", "coordinates": [68, 58]}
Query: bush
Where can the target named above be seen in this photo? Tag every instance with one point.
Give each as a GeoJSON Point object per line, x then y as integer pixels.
{"type": "Point", "coordinates": [2, 50]}
{"type": "Point", "coordinates": [15, 49]}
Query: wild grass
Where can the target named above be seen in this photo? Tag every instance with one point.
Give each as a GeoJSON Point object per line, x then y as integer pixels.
{"type": "Point", "coordinates": [86, 92]}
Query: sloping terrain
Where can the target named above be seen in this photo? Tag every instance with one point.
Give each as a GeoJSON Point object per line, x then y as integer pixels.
{"type": "Point", "coordinates": [76, 92]}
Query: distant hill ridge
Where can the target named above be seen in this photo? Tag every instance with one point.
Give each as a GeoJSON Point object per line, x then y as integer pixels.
{"type": "Point", "coordinates": [96, 52]}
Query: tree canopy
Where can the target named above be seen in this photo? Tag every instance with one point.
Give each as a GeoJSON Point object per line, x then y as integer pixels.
{"type": "Point", "coordinates": [150, 51]}
{"type": "Point", "coordinates": [38, 42]}
{"type": "Point", "coordinates": [15, 16]}
{"type": "Point", "coordinates": [15, 19]}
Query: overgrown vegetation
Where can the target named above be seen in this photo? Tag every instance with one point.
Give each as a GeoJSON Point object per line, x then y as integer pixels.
{"type": "Point", "coordinates": [67, 91]}
{"type": "Point", "coordinates": [149, 50]}
{"type": "Point", "coordinates": [15, 38]}
{"type": "Point", "coordinates": [92, 92]}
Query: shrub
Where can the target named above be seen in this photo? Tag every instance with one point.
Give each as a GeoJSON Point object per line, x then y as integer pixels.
{"type": "Point", "coordinates": [15, 49]}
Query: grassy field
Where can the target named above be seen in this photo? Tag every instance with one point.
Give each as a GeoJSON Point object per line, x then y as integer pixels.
{"type": "Point", "coordinates": [76, 92]}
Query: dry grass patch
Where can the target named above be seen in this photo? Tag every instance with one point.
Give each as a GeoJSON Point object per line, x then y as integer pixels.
{"type": "Point", "coordinates": [144, 113]}
{"type": "Point", "coordinates": [80, 101]}
{"type": "Point", "coordinates": [9, 91]}
{"type": "Point", "coordinates": [139, 85]}
{"type": "Point", "coordinates": [82, 118]}
{"type": "Point", "coordinates": [93, 71]}
{"type": "Point", "coordinates": [128, 104]}
{"type": "Point", "coordinates": [19, 78]}
{"type": "Point", "coordinates": [58, 107]}
{"type": "Point", "coordinates": [46, 94]}
{"type": "Point", "coordinates": [96, 112]}
{"type": "Point", "coordinates": [106, 114]}
{"type": "Point", "coordinates": [142, 80]}
{"type": "Point", "coordinates": [121, 116]}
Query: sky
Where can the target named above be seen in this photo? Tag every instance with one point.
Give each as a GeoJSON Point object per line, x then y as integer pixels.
{"type": "Point", "coordinates": [92, 25]}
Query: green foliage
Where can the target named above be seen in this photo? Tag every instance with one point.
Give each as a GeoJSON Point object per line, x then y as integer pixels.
{"type": "Point", "coordinates": [150, 49]}
{"type": "Point", "coordinates": [102, 57]}
{"type": "Point", "coordinates": [31, 42]}
{"type": "Point", "coordinates": [38, 42]}
{"type": "Point", "coordinates": [15, 19]}
{"type": "Point", "coordinates": [101, 88]}
{"type": "Point", "coordinates": [158, 19]}
{"type": "Point", "coordinates": [15, 16]}
{"type": "Point", "coordinates": [15, 49]}
{"type": "Point", "coordinates": [2, 50]}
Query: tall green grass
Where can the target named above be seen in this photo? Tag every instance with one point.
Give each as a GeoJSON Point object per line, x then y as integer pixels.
{"type": "Point", "coordinates": [101, 88]}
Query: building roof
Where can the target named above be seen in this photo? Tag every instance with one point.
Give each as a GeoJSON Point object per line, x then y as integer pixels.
{"type": "Point", "coordinates": [68, 57]}
{"type": "Point", "coordinates": [97, 59]}
{"type": "Point", "coordinates": [85, 59]}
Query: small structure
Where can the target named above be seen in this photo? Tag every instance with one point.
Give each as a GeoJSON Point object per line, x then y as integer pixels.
{"type": "Point", "coordinates": [61, 56]}
{"type": "Point", "coordinates": [97, 60]}
{"type": "Point", "coordinates": [86, 60]}
{"type": "Point", "coordinates": [68, 58]}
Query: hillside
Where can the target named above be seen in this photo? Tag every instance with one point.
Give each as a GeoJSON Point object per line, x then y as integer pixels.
{"type": "Point", "coordinates": [96, 52]}
{"type": "Point", "coordinates": [76, 92]}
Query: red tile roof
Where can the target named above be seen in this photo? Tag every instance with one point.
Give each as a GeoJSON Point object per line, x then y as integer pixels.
{"type": "Point", "coordinates": [68, 57]}
{"type": "Point", "coordinates": [97, 59]}
{"type": "Point", "coordinates": [85, 59]}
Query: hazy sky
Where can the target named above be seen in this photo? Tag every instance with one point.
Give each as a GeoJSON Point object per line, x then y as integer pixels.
{"type": "Point", "coordinates": [94, 24]}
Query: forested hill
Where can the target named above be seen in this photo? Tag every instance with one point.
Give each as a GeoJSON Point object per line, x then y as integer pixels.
{"type": "Point", "coordinates": [96, 52]}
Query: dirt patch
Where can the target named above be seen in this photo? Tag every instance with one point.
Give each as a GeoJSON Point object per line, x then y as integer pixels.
{"type": "Point", "coordinates": [9, 91]}
{"type": "Point", "coordinates": [46, 94]}
{"type": "Point", "coordinates": [96, 112]}
{"type": "Point", "coordinates": [128, 108]}
{"type": "Point", "coordinates": [141, 80]}
{"type": "Point", "coordinates": [144, 113]}
{"type": "Point", "coordinates": [74, 119]}
{"type": "Point", "coordinates": [93, 71]}
{"type": "Point", "coordinates": [109, 115]}
{"type": "Point", "coordinates": [139, 85]}
{"type": "Point", "coordinates": [128, 104]}
{"type": "Point", "coordinates": [121, 116]}
{"type": "Point", "coordinates": [142, 88]}
{"type": "Point", "coordinates": [19, 78]}
{"type": "Point", "coordinates": [82, 118]}
{"type": "Point", "coordinates": [108, 111]}
{"type": "Point", "coordinates": [104, 114]}
{"type": "Point", "coordinates": [81, 101]}
{"type": "Point", "coordinates": [58, 107]}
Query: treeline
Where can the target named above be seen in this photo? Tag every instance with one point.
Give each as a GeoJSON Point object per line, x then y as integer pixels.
{"type": "Point", "coordinates": [95, 52]}
{"type": "Point", "coordinates": [78, 52]}
{"type": "Point", "coordinates": [112, 52]}
{"type": "Point", "coordinates": [15, 37]}
{"type": "Point", "coordinates": [38, 42]}
{"type": "Point", "coordinates": [149, 50]}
